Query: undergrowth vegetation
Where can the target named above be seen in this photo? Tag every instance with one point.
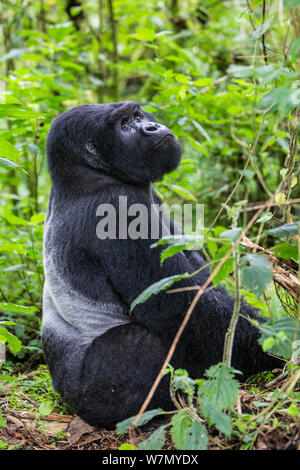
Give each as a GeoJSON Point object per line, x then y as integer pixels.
{"type": "Point", "coordinates": [224, 76]}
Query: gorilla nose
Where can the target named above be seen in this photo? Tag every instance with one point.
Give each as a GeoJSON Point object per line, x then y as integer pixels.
{"type": "Point", "coordinates": [151, 127]}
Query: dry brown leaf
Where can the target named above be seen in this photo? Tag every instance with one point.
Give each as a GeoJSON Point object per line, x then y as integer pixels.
{"type": "Point", "coordinates": [78, 428]}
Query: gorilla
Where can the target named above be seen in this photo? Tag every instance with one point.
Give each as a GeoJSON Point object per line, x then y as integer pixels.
{"type": "Point", "coordinates": [103, 359]}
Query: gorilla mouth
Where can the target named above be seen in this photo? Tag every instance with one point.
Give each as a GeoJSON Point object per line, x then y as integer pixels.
{"type": "Point", "coordinates": [162, 141]}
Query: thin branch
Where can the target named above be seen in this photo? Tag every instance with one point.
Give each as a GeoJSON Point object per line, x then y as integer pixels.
{"type": "Point", "coordinates": [271, 204]}
{"type": "Point", "coordinates": [263, 35]}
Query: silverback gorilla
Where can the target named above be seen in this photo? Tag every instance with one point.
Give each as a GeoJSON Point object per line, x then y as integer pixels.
{"type": "Point", "coordinates": [102, 359]}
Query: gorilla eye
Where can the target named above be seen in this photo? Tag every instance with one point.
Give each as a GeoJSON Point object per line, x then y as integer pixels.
{"type": "Point", "coordinates": [137, 117]}
{"type": "Point", "coordinates": [124, 124]}
{"type": "Point", "coordinates": [91, 147]}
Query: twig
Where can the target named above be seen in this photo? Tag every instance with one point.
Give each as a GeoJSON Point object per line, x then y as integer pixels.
{"type": "Point", "coordinates": [272, 407]}
{"type": "Point", "coordinates": [270, 204]}
{"type": "Point", "coordinates": [30, 415]}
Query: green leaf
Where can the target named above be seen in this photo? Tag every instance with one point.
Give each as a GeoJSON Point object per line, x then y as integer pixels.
{"type": "Point", "coordinates": [243, 71]}
{"type": "Point", "coordinates": [180, 422]}
{"type": "Point", "coordinates": [14, 344]}
{"type": "Point", "coordinates": [233, 234]}
{"type": "Point", "coordinates": [182, 381]}
{"type": "Point", "coordinates": [37, 218]}
{"type": "Point", "coordinates": [9, 307]}
{"type": "Point", "coordinates": [286, 251]}
{"type": "Point", "coordinates": [7, 149]}
{"type": "Point", "coordinates": [155, 441]}
{"type": "Point", "coordinates": [177, 244]}
{"type": "Point", "coordinates": [179, 77]}
{"type": "Point", "coordinates": [282, 98]}
{"type": "Point", "coordinates": [2, 421]}
{"type": "Point", "coordinates": [183, 192]}
{"type": "Point", "coordinates": [195, 437]}
{"type": "Point", "coordinates": [258, 274]}
{"type": "Point", "coordinates": [144, 34]}
{"type": "Point", "coordinates": [217, 394]}
{"type": "Point", "coordinates": [196, 145]}
{"type": "Point", "coordinates": [284, 230]}
{"type": "Point", "coordinates": [202, 131]}
{"type": "Point", "coordinates": [291, 3]}
{"type": "Point", "coordinates": [11, 111]}
{"type": "Point", "coordinates": [45, 408]}
{"type": "Point", "coordinates": [155, 288]}
{"type": "Point", "coordinates": [123, 426]}
{"type": "Point", "coordinates": [12, 54]}
{"type": "Point", "coordinates": [127, 446]}
{"type": "Point", "coordinates": [13, 219]}
{"type": "Point", "coordinates": [265, 217]}
{"type": "Point", "coordinates": [293, 410]}
{"type": "Point", "coordinates": [280, 337]}
{"type": "Point", "coordinates": [262, 29]}
{"type": "Point", "coordinates": [8, 163]}
{"type": "Point", "coordinates": [226, 268]}
{"type": "Point", "coordinates": [268, 343]}
{"type": "Point", "coordinates": [217, 418]}
{"type": "Point", "coordinates": [295, 49]}
{"type": "Point", "coordinates": [205, 81]}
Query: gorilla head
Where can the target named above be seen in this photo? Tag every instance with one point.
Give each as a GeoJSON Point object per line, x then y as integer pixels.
{"type": "Point", "coordinates": [119, 139]}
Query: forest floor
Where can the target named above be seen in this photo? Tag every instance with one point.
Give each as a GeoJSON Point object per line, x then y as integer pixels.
{"type": "Point", "coordinates": [24, 424]}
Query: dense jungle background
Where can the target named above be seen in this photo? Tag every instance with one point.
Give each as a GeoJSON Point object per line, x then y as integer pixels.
{"type": "Point", "coordinates": [224, 76]}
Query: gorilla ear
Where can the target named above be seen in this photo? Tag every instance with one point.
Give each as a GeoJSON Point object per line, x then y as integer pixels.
{"type": "Point", "coordinates": [91, 155]}
{"type": "Point", "coordinates": [91, 148]}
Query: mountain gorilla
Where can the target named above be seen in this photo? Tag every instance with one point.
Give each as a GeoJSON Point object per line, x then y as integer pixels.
{"type": "Point", "coordinates": [102, 359]}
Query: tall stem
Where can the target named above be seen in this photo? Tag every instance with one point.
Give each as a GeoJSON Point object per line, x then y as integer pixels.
{"type": "Point", "coordinates": [115, 48]}
{"type": "Point", "coordinates": [229, 337]}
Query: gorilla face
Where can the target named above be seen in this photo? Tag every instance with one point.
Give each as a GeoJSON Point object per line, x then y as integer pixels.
{"type": "Point", "coordinates": [119, 139]}
{"type": "Point", "coordinates": [149, 149]}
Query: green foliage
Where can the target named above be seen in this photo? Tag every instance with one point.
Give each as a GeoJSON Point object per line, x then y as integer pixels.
{"type": "Point", "coordinates": [155, 288]}
{"type": "Point", "coordinates": [257, 273]}
{"type": "Point", "coordinates": [2, 421]}
{"type": "Point", "coordinates": [195, 437]}
{"type": "Point", "coordinates": [145, 418]}
{"type": "Point", "coordinates": [217, 394]}
{"type": "Point", "coordinates": [36, 385]}
{"type": "Point", "coordinates": [180, 423]}
{"type": "Point", "coordinates": [177, 244]}
{"type": "Point", "coordinates": [155, 441]}
{"type": "Point", "coordinates": [284, 230]}
{"type": "Point", "coordinates": [45, 408]}
{"type": "Point", "coordinates": [281, 337]}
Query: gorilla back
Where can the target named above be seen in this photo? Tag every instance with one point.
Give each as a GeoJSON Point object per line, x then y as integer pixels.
{"type": "Point", "coordinates": [103, 360]}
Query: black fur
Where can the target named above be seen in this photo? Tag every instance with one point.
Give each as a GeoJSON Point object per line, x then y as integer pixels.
{"type": "Point", "coordinates": [105, 377]}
